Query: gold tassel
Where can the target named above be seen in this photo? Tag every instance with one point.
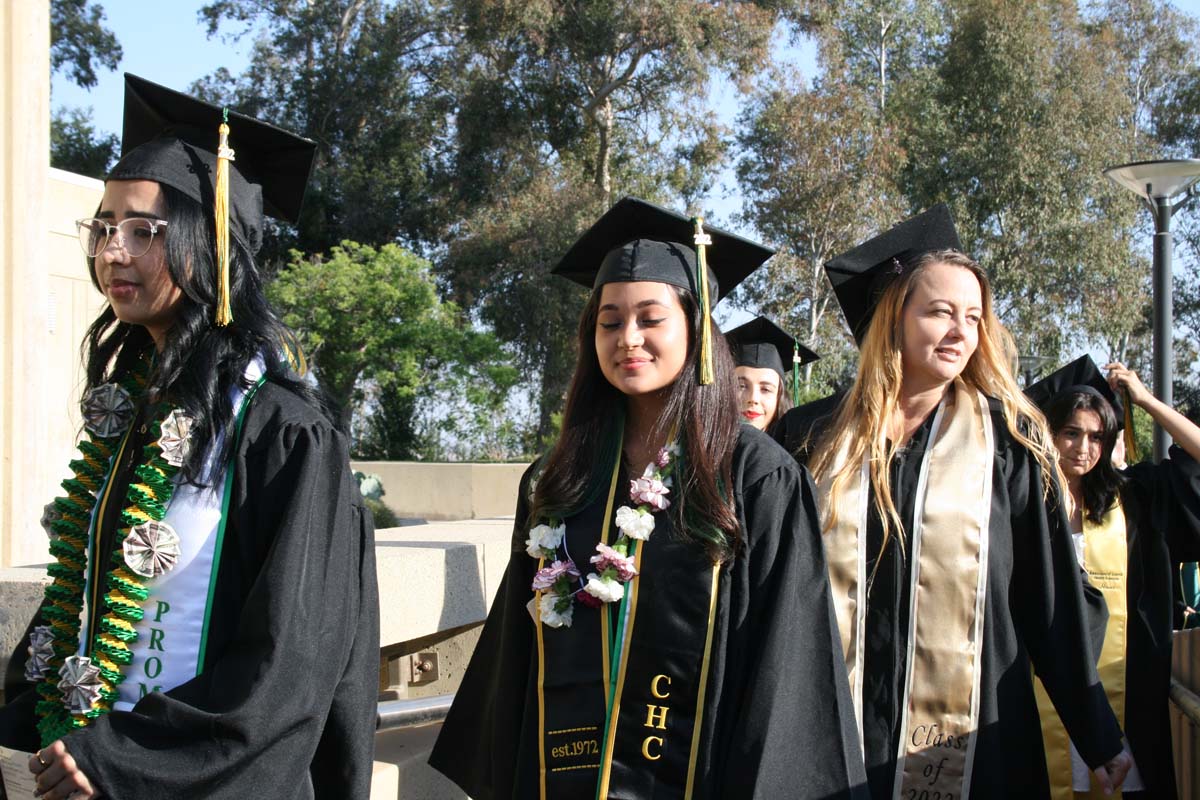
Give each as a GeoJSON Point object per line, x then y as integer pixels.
{"type": "Point", "coordinates": [224, 314]}
{"type": "Point", "coordinates": [702, 240]}
{"type": "Point", "coordinates": [1131, 450]}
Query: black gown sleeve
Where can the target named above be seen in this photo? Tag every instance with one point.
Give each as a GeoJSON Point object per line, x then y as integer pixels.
{"type": "Point", "coordinates": [1169, 493]}
{"type": "Point", "coordinates": [1051, 614]}
{"type": "Point", "coordinates": [1096, 613]}
{"type": "Point", "coordinates": [794, 732]}
{"type": "Point", "coordinates": [287, 705]}
{"type": "Point", "coordinates": [479, 747]}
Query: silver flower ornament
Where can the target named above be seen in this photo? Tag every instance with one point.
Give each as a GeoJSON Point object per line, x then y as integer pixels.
{"type": "Point", "coordinates": [175, 439]}
{"type": "Point", "coordinates": [41, 650]}
{"type": "Point", "coordinates": [151, 549]}
{"type": "Point", "coordinates": [50, 515]}
{"type": "Point", "coordinates": [80, 684]}
{"type": "Point", "coordinates": [107, 410]}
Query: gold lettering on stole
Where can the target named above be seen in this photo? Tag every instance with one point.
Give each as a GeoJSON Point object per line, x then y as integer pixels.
{"type": "Point", "coordinates": [656, 716]}
{"type": "Point", "coordinates": [646, 748]}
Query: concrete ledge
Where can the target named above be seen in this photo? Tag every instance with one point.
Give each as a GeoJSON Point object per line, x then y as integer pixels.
{"type": "Point", "coordinates": [409, 750]}
{"type": "Point", "coordinates": [438, 577]}
{"type": "Point", "coordinates": [447, 491]}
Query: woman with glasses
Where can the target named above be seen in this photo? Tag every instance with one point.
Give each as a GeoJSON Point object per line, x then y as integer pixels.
{"type": "Point", "coordinates": [210, 629]}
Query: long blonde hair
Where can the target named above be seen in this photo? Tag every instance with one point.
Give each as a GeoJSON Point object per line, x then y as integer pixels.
{"type": "Point", "coordinates": [860, 426]}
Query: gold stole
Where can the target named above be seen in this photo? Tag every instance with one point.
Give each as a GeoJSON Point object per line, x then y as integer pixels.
{"type": "Point", "coordinates": [947, 595]}
{"type": "Point", "coordinates": [1105, 558]}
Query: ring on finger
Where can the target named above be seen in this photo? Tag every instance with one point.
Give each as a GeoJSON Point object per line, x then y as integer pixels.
{"type": "Point", "coordinates": [38, 755]}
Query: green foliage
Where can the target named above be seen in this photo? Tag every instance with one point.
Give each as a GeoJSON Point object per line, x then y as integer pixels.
{"type": "Point", "coordinates": [380, 342]}
{"type": "Point", "coordinates": [1020, 164]}
{"type": "Point", "coordinates": [76, 147]}
{"type": "Point", "coordinates": [79, 41]}
{"type": "Point", "coordinates": [362, 80]}
{"type": "Point", "coordinates": [817, 176]}
{"type": "Point", "coordinates": [381, 515]}
{"type": "Point", "coordinates": [559, 109]}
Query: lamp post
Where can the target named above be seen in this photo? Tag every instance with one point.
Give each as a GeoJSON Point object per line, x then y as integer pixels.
{"type": "Point", "coordinates": [1158, 183]}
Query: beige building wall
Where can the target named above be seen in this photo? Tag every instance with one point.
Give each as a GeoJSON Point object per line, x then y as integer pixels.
{"type": "Point", "coordinates": [45, 300]}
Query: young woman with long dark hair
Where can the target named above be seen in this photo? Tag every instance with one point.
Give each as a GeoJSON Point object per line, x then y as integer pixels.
{"type": "Point", "coordinates": [211, 625]}
{"type": "Point", "coordinates": [951, 563]}
{"type": "Point", "coordinates": [761, 349]}
{"type": "Point", "coordinates": [1131, 528]}
{"type": "Point", "coordinates": [664, 628]}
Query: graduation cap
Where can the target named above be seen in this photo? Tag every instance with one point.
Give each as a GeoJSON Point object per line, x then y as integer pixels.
{"type": "Point", "coordinates": [640, 241]}
{"type": "Point", "coordinates": [762, 344]}
{"type": "Point", "coordinates": [859, 276]}
{"type": "Point", "coordinates": [239, 166]}
{"type": "Point", "coordinates": [1084, 377]}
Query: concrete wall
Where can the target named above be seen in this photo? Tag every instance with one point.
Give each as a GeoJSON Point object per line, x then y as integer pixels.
{"type": "Point", "coordinates": [24, 161]}
{"type": "Point", "coordinates": [447, 491]}
{"type": "Point", "coordinates": [46, 301]}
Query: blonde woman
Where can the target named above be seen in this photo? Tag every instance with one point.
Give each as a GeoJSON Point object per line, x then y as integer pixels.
{"type": "Point", "coordinates": [952, 566]}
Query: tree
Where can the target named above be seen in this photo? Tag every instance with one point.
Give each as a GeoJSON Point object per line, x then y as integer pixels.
{"type": "Point", "coordinates": [77, 147]}
{"type": "Point", "coordinates": [79, 41]}
{"type": "Point", "coordinates": [817, 177]}
{"type": "Point", "coordinates": [1153, 43]}
{"type": "Point", "coordinates": [360, 78]}
{"type": "Point", "coordinates": [378, 338]}
{"type": "Point", "coordinates": [874, 43]}
{"type": "Point", "coordinates": [561, 108]}
{"type": "Point", "coordinates": [1020, 164]}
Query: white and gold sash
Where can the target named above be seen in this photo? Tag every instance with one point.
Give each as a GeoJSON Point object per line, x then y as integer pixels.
{"type": "Point", "coordinates": [946, 598]}
{"type": "Point", "coordinates": [1106, 561]}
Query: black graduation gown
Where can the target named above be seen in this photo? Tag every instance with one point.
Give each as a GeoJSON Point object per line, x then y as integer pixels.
{"type": "Point", "coordinates": [1035, 613]}
{"type": "Point", "coordinates": [285, 705]}
{"type": "Point", "coordinates": [777, 715]}
{"type": "Point", "coordinates": [1162, 524]}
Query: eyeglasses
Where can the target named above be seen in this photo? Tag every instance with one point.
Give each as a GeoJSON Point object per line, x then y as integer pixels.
{"type": "Point", "coordinates": [137, 234]}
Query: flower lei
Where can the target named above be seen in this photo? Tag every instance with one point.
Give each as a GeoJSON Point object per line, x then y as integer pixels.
{"type": "Point", "coordinates": [76, 689]}
{"type": "Point", "coordinates": [614, 566]}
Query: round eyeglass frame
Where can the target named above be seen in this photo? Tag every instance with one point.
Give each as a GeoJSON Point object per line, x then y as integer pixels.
{"type": "Point", "coordinates": [86, 233]}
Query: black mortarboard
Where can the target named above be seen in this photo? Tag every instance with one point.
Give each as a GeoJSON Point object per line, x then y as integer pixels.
{"type": "Point", "coordinates": [859, 276]}
{"type": "Point", "coordinates": [762, 344]}
{"type": "Point", "coordinates": [639, 241]}
{"type": "Point", "coordinates": [173, 138]}
{"type": "Point", "coordinates": [1081, 375]}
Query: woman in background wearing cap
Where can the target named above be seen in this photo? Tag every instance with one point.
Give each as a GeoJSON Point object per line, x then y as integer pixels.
{"type": "Point", "coordinates": [951, 565]}
{"type": "Point", "coordinates": [1132, 527]}
{"type": "Point", "coordinates": [664, 628]}
{"type": "Point", "coordinates": [211, 626]}
{"type": "Point", "coordinates": [760, 349]}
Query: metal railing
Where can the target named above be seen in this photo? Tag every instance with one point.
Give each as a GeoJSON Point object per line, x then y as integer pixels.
{"type": "Point", "coordinates": [395, 714]}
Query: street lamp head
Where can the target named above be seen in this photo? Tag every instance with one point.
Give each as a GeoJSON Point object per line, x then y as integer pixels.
{"type": "Point", "coordinates": [1157, 180]}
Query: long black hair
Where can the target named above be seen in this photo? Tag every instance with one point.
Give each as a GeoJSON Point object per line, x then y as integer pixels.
{"type": "Point", "coordinates": [1102, 483]}
{"type": "Point", "coordinates": [200, 362]}
{"type": "Point", "coordinates": [577, 469]}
